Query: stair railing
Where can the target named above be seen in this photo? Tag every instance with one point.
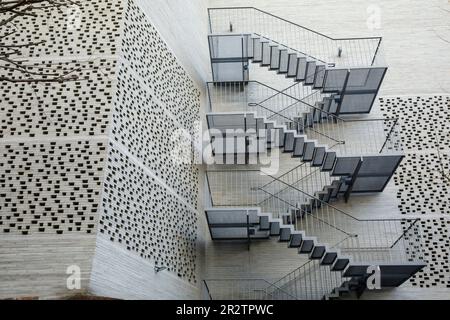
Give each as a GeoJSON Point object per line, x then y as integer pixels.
{"type": "Point", "coordinates": [342, 52]}
{"type": "Point", "coordinates": [380, 239]}
{"type": "Point", "coordinates": [355, 136]}
{"type": "Point", "coordinates": [345, 136]}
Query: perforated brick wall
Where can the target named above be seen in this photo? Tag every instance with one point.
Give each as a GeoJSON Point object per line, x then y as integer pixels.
{"type": "Point", "coordinates": [56, 139]}
{"type": "Point", "coordinates": [53, 136]}
{"type": "Point", "coordinates": [149, 200]}
{"type": "Point", "coordinates": [423, 178]}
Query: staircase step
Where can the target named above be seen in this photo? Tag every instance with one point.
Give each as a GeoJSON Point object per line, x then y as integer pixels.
{"type": "Point", "coordinates": [296, 240]}
{"type": "Point", "coordinates": [329, 258]}
{"type": "Point", "coordinates": [298, 147]}
{"type": "Point", "coordinates": [259, 234]}
{"type": "Point", "coordinates": [283, 65]}
{"type": "Point", "coordinates": [321, 195]}
{"type": "Point", "coordinates": [317, 252]}
{"type": "Point", "coordinates": [336, 184]}
{"type": "Point", "coordinates": [319, 77]}
{"type": "Point", "coordinates": [340, 264]}
{"type": "Point", "coordinates": [301, 69]}
{"type": "Point", "coordinates": [317, 112]}
{"type": "Point", "coordinates": [315, 203]}
{"type": "Point", "coordinates": [299, 125]}
{"type": "Point", "coordinates": [306, 208]}
{"type": "Point", "coordinates": [328, 190]}
{"type": "Point", "coordinates": [326, 104]}
{"type": "Point", "coordinates": [308, 119]}
{"type": "Point", "coordinates": [275, 228]}
{"type": "Point", "coordinates": [333, 106]}
{"type": "Point", "coordinates": [308, 151]}
{"type": "Point", "coordinates": [292, 65]}
{"type": "Point", "coordinates": [288, 142]}
{"type": "Point", "coordinates": [307, 245]}
{"type": "Point", "coordinates": [265, 54]}
{"type": "Point", "coordinates": [257, 50]}
{"type": "Point", "coordinates": [310, 72]}
{"type": "Point", "coordinates": [264, 224]}
{"type": "Point", "coordinates": [269, 132]}
{"type": "Point", "coordinates": [285, 234]}
{"type": "Point", "coordinates": [319, 156]}
{"type": "Point", "coordinates": [278, 138]}
{"type": "Point", "coordinates": [329, 160]}
{"type": "Point", "coordinates": [274, 57]}
{"type": "Point", "coordinates": [250, 47]}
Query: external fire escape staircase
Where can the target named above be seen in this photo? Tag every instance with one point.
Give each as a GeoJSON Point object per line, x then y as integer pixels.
{"type": "Point", "coordinates": [340, 156]}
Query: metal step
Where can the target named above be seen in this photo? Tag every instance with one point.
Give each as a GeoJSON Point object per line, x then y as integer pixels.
{"type": "Point", "coordinates": [329, 258]}
{"type": "Point", "coordinates": [292, 65]}
{"type": "Point", "coordinates": [333, 106]}
{"type": "Point", "coordinates": [317, 112]}
{"type": "Point", "coordinates": [308, 151]}
{"type": "Point", "coordinates": [274, 57]}
{"type": "Point", "coordinates": [288, 142]}
{"type": "Point", "coordinates": [340, 264]}
{"type": "Point", "coordinates": [307, 245]}
{"type": "Point", "coordinates": [329, 160]}
{"type": "Point", "coordinates": [301, 69]}
{"type": "Point", "coordinates": [274, 228]}
{"type": "Point", "coordinates": [257, 50]}
{"type": "Point", "coordinates": [296, 240]}
{"type": "Point", "coordinates": [326, 104]}
{"type": "Point", "coordinates": [319, 156]}
{"type": "Point", "coordinates": [283, 65]}
{"type": "Point", "coordinates": [264, 224]}
{"type": "Point", "coordinates": [306, 208]}
{"type": "Point", "coordinates": [310, 72]}
{"type": "Point", "coordinates": [317, 252]}
{"type": "Point", "coordinates": [298, 147]}
{"type": "Point", "coordinates": [285, 234]}
{"type": "Point", "coordinates": [319, 77]}
{"type": "Point", "coordinates": [336, 186]}
{"type": "Point", "coordinates": [328, 190]}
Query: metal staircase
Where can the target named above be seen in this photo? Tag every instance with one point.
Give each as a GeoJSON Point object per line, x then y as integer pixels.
{"type": "Point", "coordinates": [340, 242]}
{"type": "Point", "coordinates": [333, 78]}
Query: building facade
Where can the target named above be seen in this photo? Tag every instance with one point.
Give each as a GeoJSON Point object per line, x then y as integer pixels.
{"type": "Point", "coordinates": [90, 186]}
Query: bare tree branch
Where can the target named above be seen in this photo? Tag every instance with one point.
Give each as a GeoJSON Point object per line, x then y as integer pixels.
{"type": "Point", "coordinates": [11, 54]}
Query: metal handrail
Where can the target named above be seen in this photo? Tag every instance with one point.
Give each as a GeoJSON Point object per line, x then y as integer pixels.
{"type": "Point", "coordinates": [252, 104]}
{"type": "Point", "coordinates": [290, 22]}
{"type": "Point", "coordinates": [333, 207]}
{"type": "Point", "coordinates": [317, 199]}
{"type": "Point", "coordinates": [378, 39]}
{"type": "Point", "coordinates": [248, 279]}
